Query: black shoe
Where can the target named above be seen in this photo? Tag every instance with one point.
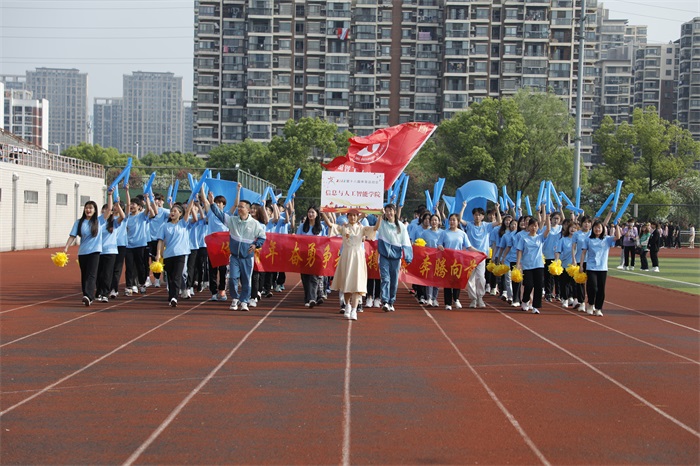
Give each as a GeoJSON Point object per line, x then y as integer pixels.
{"type": "Point", "coordinates": [268, 294]}
{"type": "Point", "coordinates": [312, 303]}
{"type": "Point", "coordinates": [319, 302]}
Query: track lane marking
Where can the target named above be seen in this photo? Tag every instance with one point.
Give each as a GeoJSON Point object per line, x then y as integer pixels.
{"type": "Point", "coordinates": [40, 302]}
{"type": "Point", "coordinates": [346, 399]}
{"type": "Point", "coordinates": [178, 409]}
{"type": "Point", "coordinates": [654, 317]}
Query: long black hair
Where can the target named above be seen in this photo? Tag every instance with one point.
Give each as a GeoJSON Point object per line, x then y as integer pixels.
{"type": "Point", "coordinates": [316, 229]}
{"type": "Point", "coordinates": [396, 217]}
{"type": "Point", "coordinates": [603, 233]}
{"type": "Point", "coordinates": [109, 220]}
{"type": "Point", "coordinates": [94, 223]}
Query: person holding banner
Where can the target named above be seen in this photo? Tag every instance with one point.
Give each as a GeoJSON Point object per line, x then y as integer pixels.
{"type": "Point", "coordinates": [392, 242]}
{"type": "Point", "coordinates": [595, 256]}
{"type": "Point", "coordinates": [247, 234]}
{"type": "Point", "coordinates": [214, 225]}
{"type": "Point", "coordinates": [530, 262]}
{"type": "Point", "coordinates": [311, 283]}
{"type": "Point", "coordinates": [174, 246]}
{"type": "Point", "coordinates": [478, 233]}
{"type": "Point", "coordinates": [351, 273]}
{"type": "Point", "coordinates": [432, 238]}
{"type": "Point", "coordinates": [454, 238]}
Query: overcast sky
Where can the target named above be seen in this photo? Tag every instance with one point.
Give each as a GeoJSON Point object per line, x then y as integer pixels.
{"type": "Point", "coordinates": [110, 38]}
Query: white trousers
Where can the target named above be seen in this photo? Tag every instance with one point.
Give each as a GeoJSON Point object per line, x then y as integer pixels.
{"type": "Point", "coordinates": [476, 285]}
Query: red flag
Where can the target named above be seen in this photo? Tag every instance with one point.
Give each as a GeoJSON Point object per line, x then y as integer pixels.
{"type": "Point", "coordinates": [387, 151]}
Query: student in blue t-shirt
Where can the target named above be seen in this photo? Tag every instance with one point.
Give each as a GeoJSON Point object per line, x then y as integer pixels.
{"type": "Point", "coordinates": [312, 283]}
{"type": "Point", "coordinates": [595, 255]}
{"type": "Point", "coordinates": [159, 216]}
{"type": "Point", "coordinates": [121, 255]}
{"type": "Point", "coordinates": [111, 221]}
{"type": "Point", "coordinates": [478, 233]}
{"type": "Point", "coordinates": [174, 247]}
{"type": "Point", "coordinates": [88, 228]}
{"type": "Point", "coordinates": [137, 241]}
{"type": "Point", "coordinates": [215, 225]}
{"type": "Point", "coordinates": [433, 238]}
{"type": "Point", "coordinates": [531, 263]}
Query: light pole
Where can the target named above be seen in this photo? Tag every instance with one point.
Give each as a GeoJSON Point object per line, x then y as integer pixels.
{"type": "Point", "coordinates": [137, 150]}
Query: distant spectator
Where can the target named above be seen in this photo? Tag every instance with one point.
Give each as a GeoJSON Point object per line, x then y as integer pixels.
{"type": "Point", "coordinates": [691, 239]}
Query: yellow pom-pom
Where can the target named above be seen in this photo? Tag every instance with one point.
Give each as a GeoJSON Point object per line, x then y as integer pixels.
{"type": "Point", "coordinates": [580, 277]}
{"type": "Point", "coordinates": [555, 267]}
{"type": "Point", "coordinates": [571, 269]}
{"type": "Point", "coordinates": [419, 242]}
{"type": "Point", "coordinates": [500, 270]}
{"type": "Point", "coordinates": [60, 259]}
{"type": "Point", "coordinates": [156, 267]}
{"type": "Point", "coordinates": [516, 275]}
{"type": "Point", "coordinates": [490, 267]}
{"type": "Point", "coordinates": [490, 253]}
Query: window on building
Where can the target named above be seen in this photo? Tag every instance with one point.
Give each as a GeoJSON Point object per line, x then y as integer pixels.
{"type": "Point", "coordinates": [31, 197]}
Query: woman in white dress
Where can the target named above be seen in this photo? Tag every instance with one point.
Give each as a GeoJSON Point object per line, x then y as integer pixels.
{"type": "Point", "coordinates": [351, 274]}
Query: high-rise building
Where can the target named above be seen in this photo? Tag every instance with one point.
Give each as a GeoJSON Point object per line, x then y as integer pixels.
{"type": "Point", "coordinates": [67, 93]}
{"type": "Point", "coordinates": [187, 127]}
{"type": "Point", "coordinates": [152, 113]}
{"type": "Point", "coordinates": [14, 82]}
{"type": "Point", "coordinates": [26, 117]}
{"type": "Point", "coordinates": [655, 78]}
{"type": "Point", "coordinates": [107, 122]}
{"type": "Point", "coordinates": [374, 63]}
{"type": "Point", "coordinates": [688, 102]}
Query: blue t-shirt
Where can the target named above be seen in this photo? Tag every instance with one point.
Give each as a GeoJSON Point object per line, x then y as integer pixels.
{"type": "Point", "coordinates": [432, 237]}
{"type": "Point", "coordinates": [579, 240]}
{"type": "Point", "coordinates": [122, 235]}
{"type": "Point", "coordinates": [455, 240]}
{"type": "Point", "coordinates": [175, 238]}
{"type": "Point", "coordinates": [300, 230]}
{"type": "Point", "coordinates": [215, 225]}
{"type": "Point", "coordinates": [202, 229]}
{"type": "Point", "coordinates": [563, 247]}
{"type": "Point", "coordinates": [597, 253]}
{"type": "Point", "coordinates": [531, 246]}
{"type": "Point", "coordinates": [479, 235]}
{"type": "Point", "coordinates": [156, 222]}
{"type": "Point", "coordinates": [192, 233]}
{"type": "Point", "coordinates": [137, 230]}
{"type": "Point", "coordinates": [551, 241]}
{"type": "Point", "coordinates": [509, 240]}
{"type": "Point", "coordinates": [88, 244]}
{"type": "Point", "coordinates": [110, 240]}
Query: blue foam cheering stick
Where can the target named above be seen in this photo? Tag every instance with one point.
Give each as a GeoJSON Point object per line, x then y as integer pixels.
{"type": "Point", "coordinates": [170, 193]}
{"type": "Point", "coordinates": [428, 201]}
{"type": "Point", "coordinates": [622, 210]}
{"type": "Point", "coordinates": [403, 191]}
{"type": "Point", "coordinates": [177, 185]}
{"type": "Point", "coordinates": [605, 205]}
{"type": "Point", "coordinates": [147, 187]}
{"type": "Point", "coordinates": [518, 201]}
{"type": "Point", "coordinates": [528, 206]}
{"type": "Point", "coordinates": [541, 193]}
{"type": "Point", "coordinates": [578, 197]}
{"type": "Point", "coordinates": [617, 195]}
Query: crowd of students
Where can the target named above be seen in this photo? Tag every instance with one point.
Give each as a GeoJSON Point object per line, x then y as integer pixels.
{"type": "Point", "coordinates": [151, 232]}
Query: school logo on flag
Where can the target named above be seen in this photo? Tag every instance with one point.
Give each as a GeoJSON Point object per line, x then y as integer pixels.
{"type": "Point", "coordinates": [387, 151]}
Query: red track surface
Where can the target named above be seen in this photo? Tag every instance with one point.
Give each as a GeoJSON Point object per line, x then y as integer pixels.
{"type": "Point", "coordinates": [137, 381]}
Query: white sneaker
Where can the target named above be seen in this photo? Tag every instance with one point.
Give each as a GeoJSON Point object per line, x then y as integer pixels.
{"type": "Point", "coordinates": [535, 310]}
{"type": "Point", "coordinates": [142, 289]}
{"type": "Point", "coordinates": [128, 292]}
{"type": "Point", "coordinates": [423, 302]}
{"type": "Point", "coordinates": [369, 302]}
{"type": "Point", "coordinates": [391, 308]}
{"type": "Point", "coordinates": [157, 283]}
{"type": "Point", "coordinates": [434, 303]}
{"type": "Point", "coordinates": [631, 268]}
{"type": "Point", "coordinates": [377, 302]}
{"type": "Point", "coordinates": [621, 267]}
{"type": "Point", "coordinates": [173, 302]}
{"type": "Point", "coordinates": [222, 297]}
{"type": "Point", "coordinates": [214, 297]}
{"type": "Point", "coordinates": [184, 294]}
{"type": "Point", "coordinates": [480, 303]}
{"type": "Point", "coordinates": [252, 303]}
{"type": "Point", "coordinates": [589, 309]}
{"type": "Point", "coordinates": [191, 292]}
{"type": "Point", "coordinates": [572, 302]}
{"type": "Point", "coordinates": [655, 269]}
{"type": "Point", "coordinates": [448, 308]}
{"type": "Point", "coordinates": [113, 294]}
{"type": "Point", "coordinates": [353, 314]}
{"type": "Point", "coordinates": [244, 307]}
{"type": "Point", "coordinates": [348, 311]}
{"type": "Point", "coordinates": [525, 306]}
{"type": "Point", "coordinates": [488, 288]}
{"type": "Point", "coordinates": [135, 289]}
{"type": "Point", "coordinates": [458, 305]}
{"type": "Point", "coordinates": [385, 307]}
{"type": "Point", "coordinates": [598, 313]}
{"type": "Point", "coordinates": [582, 307]}
{"type": "Point", "coordinates": [472, 304]}
{"type": "Point", "coordinates": [234, 305]}
{"type": "Point", "coordinates": [148, 282]}
{"type": "Point", "coordinates": [516, 304]}
{"type": "Point", "coordinates": [494, 292]}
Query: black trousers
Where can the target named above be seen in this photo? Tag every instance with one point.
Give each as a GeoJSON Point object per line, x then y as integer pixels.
{"type": "Point", "coordinates": [201, 267]}
{"type": "Point", "coordinates": [516, 286]}
{"type": "Point", "coordinates": [151, 252]}
{"type": "Point", "coordinates": [654, 255]}
{"type": "Point", "coordinates": [174, 267]}
{"type": "Point", "coordinates": [135, 269]}
{"type": "Point", "coordinates": [644, 261]}
{"type": "Point", "coordinates": [191, 265]}
{"type": "Point", "coordinates": [550, 288]}
{"type": "Point", "coordinates": [451, 295]}
{"type": "Point", "coordinates": [374, 289]}
{"type": "Point", "coordinates": [214, 285]}
{"type": "Point", "coordinates": [118, 267]}
{"type": "Point", "coordinates": [88, 273]}
{"type": "Point", "coordinates": [566, 286]}
{"type": "Point", "coordinates": [595, 286]}
{"type": "Point", "coordinates": [532, 281]}
{"type": "Point", "coordinates": [269, 280]}
{"type": "Point", "coordinates": [629, 251]}
{"type": "Point", "coordinates": [105, 269]}
{"type": "Point", "coordinates": [310, 283]}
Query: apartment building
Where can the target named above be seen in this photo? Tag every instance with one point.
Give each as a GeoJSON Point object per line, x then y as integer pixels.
{"type": "Point", "coordinates": [688, 96]}
{"type": "Point", "coordinates": [107, 122]}
{"type": "Point", "coordinates": [26, 117]}
{"type": "Point", "coordinates": [152, 110]}
{"type": "Point", "coordinates": [67, 93]}
{"type": "Point", "coordinates": [655, 78]}
{"type": "Point", "coordinates": [369, 64]}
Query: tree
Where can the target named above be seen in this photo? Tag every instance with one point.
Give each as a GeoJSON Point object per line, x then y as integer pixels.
{"type": "Point", "coordinates": [616, 145]}
{"type": "Point", "coordinates": [248, 155]}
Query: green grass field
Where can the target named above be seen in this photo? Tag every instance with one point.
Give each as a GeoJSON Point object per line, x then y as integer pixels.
{"type": "Point", "coordinates": [675, 274]}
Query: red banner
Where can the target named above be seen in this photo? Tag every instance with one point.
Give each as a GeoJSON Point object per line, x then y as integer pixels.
{"type": "Point", "coordinates": [387, 151]}
{"type": "Point", "coordinates": [318, 255]}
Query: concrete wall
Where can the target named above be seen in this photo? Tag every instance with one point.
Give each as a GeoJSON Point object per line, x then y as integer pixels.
{"type": "Point", "coordinates": [41, 221]}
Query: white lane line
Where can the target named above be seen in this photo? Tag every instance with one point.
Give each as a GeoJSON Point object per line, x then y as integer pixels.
{"type": "Point", "coordinates": [654, 277]}
{"type": "Point", "coordinates": [514, 422]}
{"type": "Point", "coordinates": [654, 317]}
{"type": "Point", "coordinates": [597, 321]}
{"type": "Point", "coordinates": [346, 400]}
{"type": "Point", "coordinates": [101, 358]}
{"type": "Point", "coordinates": [605, 376]}
{"type": "Point", "coordinates": [40, 302]}
{"type": "Point", "coordinates": [173, 414]}
{"type": "Point", "coordinates": [67, 322]}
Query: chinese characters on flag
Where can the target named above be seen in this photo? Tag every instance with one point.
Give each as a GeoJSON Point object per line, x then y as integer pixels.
{"type": "Point", "coordinates": [318, 255]}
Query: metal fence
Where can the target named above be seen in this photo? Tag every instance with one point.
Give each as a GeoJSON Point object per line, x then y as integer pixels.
{"type": "Point", "coordinates": [29, 157]}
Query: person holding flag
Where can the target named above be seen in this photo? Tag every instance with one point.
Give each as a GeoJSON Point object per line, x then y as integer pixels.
{"type": "Point", "coordinates": [392, 242]}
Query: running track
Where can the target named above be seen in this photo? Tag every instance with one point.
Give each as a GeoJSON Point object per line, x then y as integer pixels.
{"type": "Point", "coordinates": [134, 381]}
